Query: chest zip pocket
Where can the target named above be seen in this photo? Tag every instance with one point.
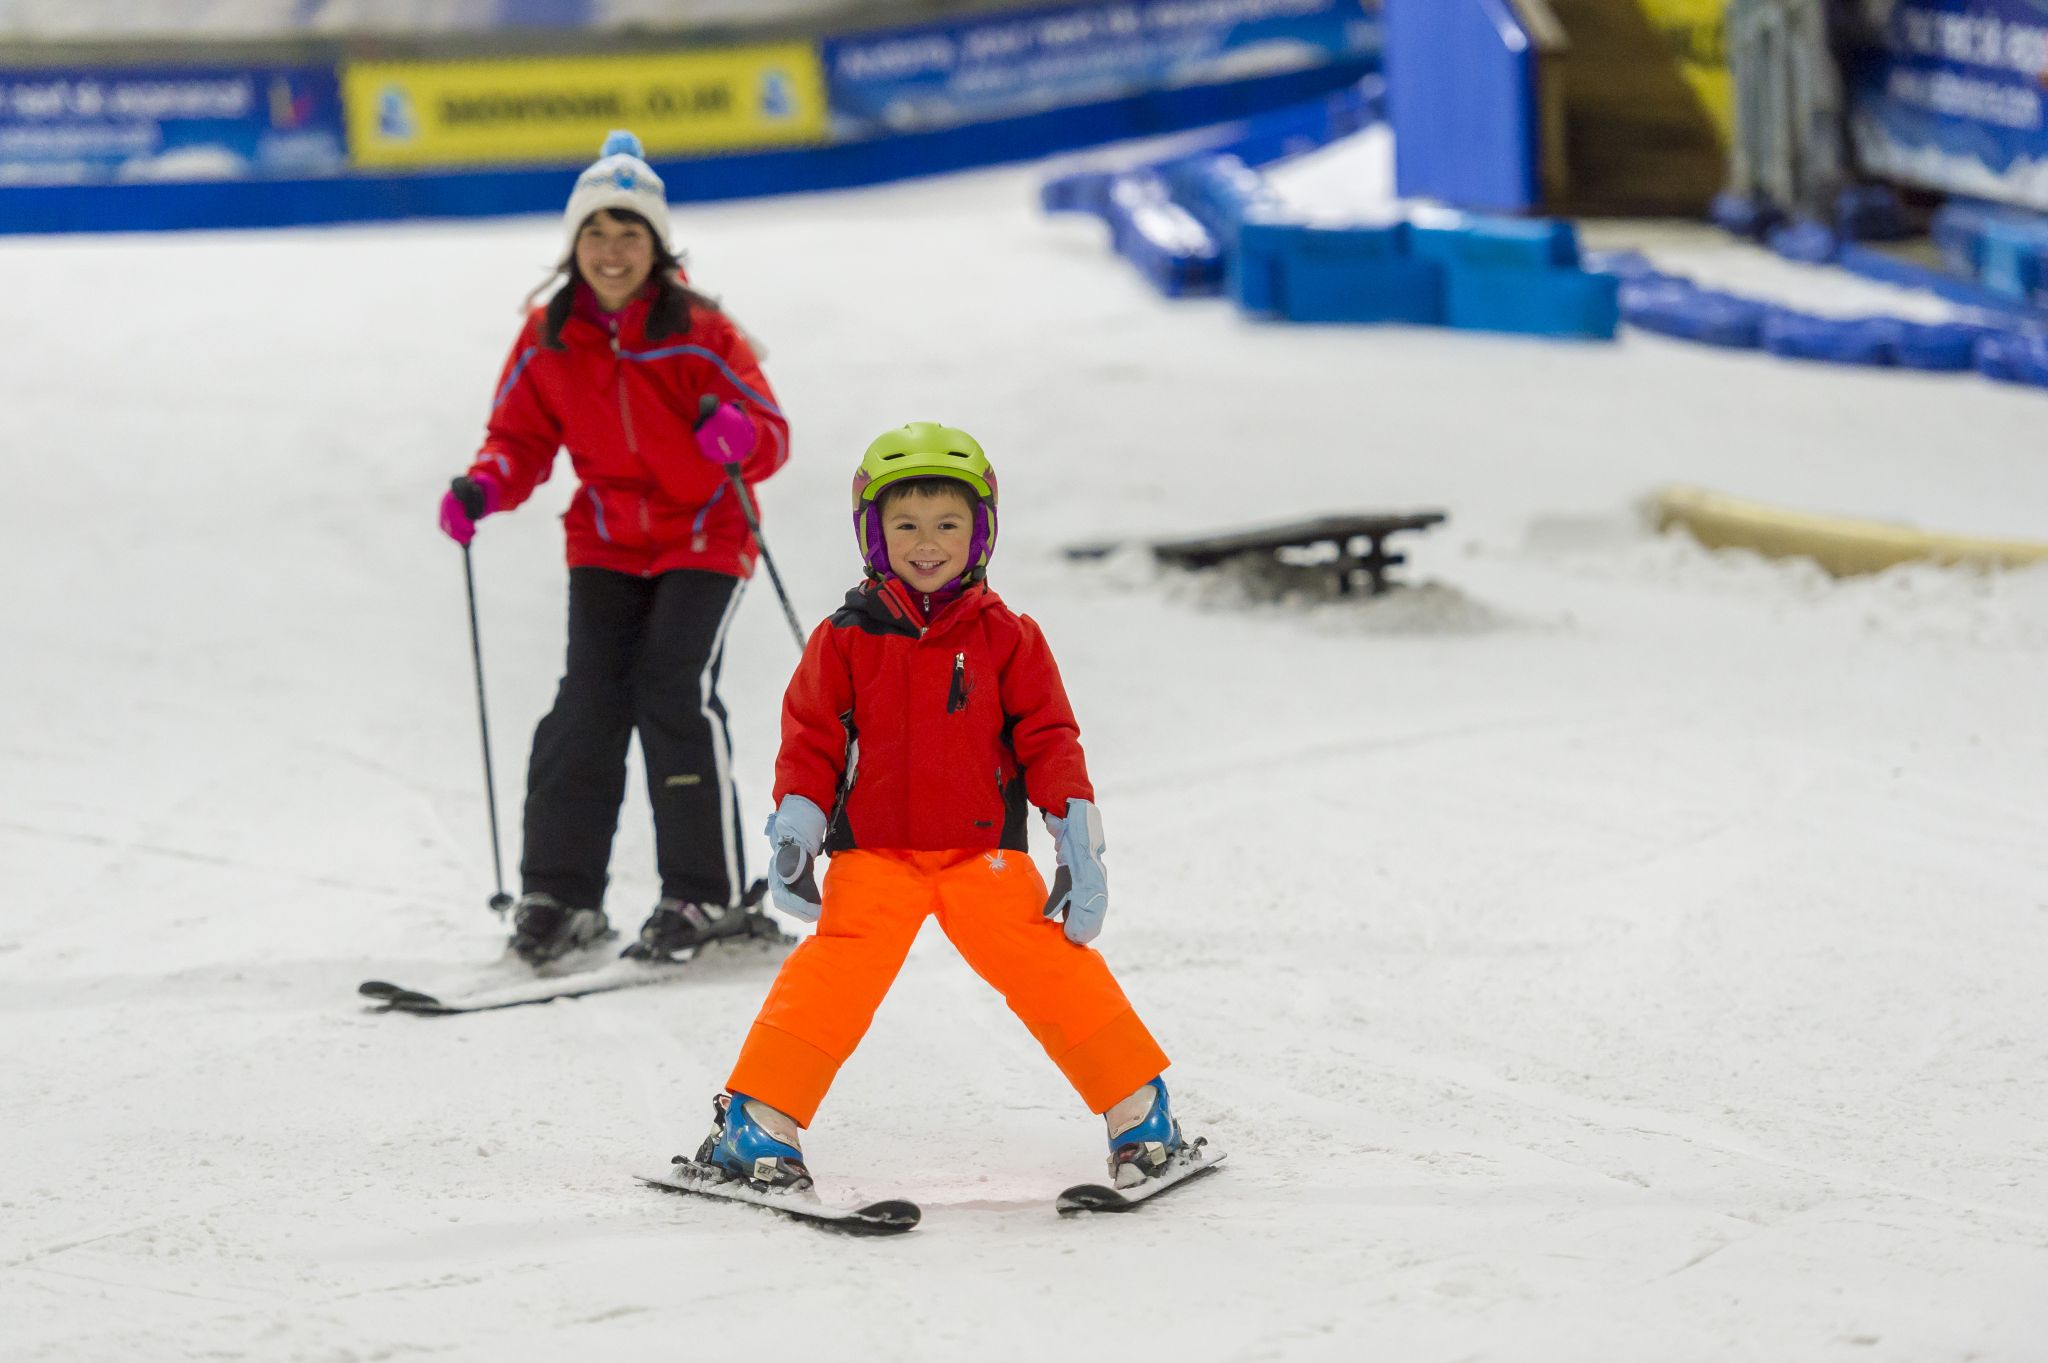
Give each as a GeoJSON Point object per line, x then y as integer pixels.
{"type": "Point", "coordinates": [956, 698]}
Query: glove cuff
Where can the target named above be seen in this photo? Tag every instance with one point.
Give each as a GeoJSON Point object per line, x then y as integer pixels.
{"type": "Point", "coordinates": [797, 818]}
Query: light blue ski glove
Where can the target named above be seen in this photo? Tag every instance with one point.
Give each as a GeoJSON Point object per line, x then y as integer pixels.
{"type": "Point", "coordinates": [796, 832]}
{"type": "Point", "coordinates": [1080, 889]}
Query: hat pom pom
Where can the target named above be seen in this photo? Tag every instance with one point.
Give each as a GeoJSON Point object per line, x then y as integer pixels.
{"type": "Point", "coordinates": [621, 142]}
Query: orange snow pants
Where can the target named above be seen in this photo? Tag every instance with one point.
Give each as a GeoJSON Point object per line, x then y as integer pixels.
{"type": "Point", "coordinates": [991, 904]}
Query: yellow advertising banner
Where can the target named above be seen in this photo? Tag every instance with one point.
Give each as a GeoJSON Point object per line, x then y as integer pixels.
{"type": "Point", "coordinates": [559, 109]}
{"type": "Point", "coordinates": [1696, 31]}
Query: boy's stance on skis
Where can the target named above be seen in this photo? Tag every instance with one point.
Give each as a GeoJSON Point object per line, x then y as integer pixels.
{"type": "Point", "coordinates": [922, 719]}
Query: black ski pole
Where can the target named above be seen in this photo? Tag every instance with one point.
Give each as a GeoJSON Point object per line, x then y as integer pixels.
{"type": "Point", "coordinates": [732, 471]}
{"type": "Point", "coordinates": [499, 901]}
{"type": "Point", "coordinates": [706, 405]}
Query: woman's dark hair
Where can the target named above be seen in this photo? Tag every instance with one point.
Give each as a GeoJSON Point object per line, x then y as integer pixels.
{"type": "Point", "coordinates": [673, 299]}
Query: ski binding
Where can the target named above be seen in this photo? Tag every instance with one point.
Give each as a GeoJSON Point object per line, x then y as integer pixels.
{"type": "Point", "coordinates": [1195, 1158]}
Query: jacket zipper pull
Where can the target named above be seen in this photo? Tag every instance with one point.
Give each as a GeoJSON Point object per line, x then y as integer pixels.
{"type": "Point", "coordinates": [957, 697]}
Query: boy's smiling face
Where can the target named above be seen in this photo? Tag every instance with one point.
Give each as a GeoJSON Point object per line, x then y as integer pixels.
{"type": "Point", "coordinates": [929, 529]}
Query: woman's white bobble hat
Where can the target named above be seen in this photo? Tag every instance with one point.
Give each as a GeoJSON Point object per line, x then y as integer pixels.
{"type": "Point", "coordinates": [619, 178]}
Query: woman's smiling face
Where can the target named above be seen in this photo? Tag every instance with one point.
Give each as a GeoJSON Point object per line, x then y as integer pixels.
{"type": "Point", "coordinates": [615, 256]}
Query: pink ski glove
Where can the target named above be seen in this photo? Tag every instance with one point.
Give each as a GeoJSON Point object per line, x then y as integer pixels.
{"type": "Point", "coordinates": [468, 500]}
{"type": "Point", "coordinates": [724, 435]}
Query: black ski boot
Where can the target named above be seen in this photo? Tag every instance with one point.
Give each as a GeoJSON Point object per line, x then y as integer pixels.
{"type": "Point", "coordinates": [677, 927]}
{"type": "Point", "coordinates": [544, 929]}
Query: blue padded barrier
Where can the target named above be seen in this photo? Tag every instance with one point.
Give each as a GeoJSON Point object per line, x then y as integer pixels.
{"type": "Point", "coordinates": [1906, 274]}
{"type": "Point", "coordinates": [1532, 302]}
{"type": "Point", "coordinates": [1268, 137]}
{"type": "Point", "coordinates": [2005, 250]}
{"type": "Point", "coordinates": [2014, 357]}
{"type": "Point", "coordinates": [1520, 275]}
{"type": "Point", "coordinates": [167, 205]}
{"type": "Point", "coordinates": [1837, 340]}
{"type": "Point", "coordinates": [1946, 347]}
{"type": "Point", "coordinates": [1677, 309]}
{"type": "Point", "coordinates": [1166, 243]}
{"type": "Point", "coordinates": [1461, 94]}
{"type": "Point", "coordinates": [1223, 193]}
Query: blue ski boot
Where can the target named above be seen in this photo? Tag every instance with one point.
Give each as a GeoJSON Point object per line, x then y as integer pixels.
{"type": "Point", "coordinates": [1143, 1136]}
{"type": "Point", "coordinates": [744, 1147]}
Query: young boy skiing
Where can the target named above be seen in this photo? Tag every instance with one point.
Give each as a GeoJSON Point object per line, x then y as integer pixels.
{"type": "Point", "coordinates": [923, 718]}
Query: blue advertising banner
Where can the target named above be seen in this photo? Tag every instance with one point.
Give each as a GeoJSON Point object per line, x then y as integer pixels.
{"type": "Point", "coordinates": [1950, 94]}
{"type": "Point", "coordinates": [71, 126]}
{"type": "Point", "coordinates": [942, 75]}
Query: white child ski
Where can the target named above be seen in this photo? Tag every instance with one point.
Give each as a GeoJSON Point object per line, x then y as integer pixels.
{"type": "Point", "coordinates": [1195, 1158]}
{"type": "Point", "coordinates": [892, 1217]}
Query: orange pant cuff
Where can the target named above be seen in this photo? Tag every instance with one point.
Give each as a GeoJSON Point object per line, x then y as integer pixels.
{"type": "Point", "coordinates": [1111, 1065]}
{"type": "Point", "coordinates": [785, 1072]}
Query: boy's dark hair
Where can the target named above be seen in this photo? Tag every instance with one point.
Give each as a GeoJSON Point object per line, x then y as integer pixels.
{"type": "Point", "coordinates": [922, 487]}
{"type": "Point", "coordinates": [673, 299]}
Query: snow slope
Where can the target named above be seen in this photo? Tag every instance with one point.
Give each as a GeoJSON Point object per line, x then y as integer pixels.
{"type": "Point", "coordinates": [1613, 951]}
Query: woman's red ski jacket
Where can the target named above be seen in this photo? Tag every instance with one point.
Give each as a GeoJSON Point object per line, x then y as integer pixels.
{"type": "Point", "coordinates": [625, 407]}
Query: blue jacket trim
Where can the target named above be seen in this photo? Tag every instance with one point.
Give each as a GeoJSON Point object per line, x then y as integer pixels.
{"type": "Point", "coordinates": [734, 379]}
{"type": "Point", "coordinates": [505, 390]}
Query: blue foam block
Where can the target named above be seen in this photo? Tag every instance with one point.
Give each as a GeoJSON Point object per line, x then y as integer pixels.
{"type": "Point", "coordinates": [1808, 242]}
{"type": "Point", "coordinates": [1532, 302]}
{"type": "Point", "coordinates": [1691, 314]}
{"type": "Point", "coordinates": [1336, 288]}
{"type": "Point", "coordinates": [1082, 192]}
{"type": "Point", "coordinates": [1531, 243]}
{"type": "Point", "coordinates": [2014, 357]}
{"type": "Point", "coordinates": [1943, 346]}
{"type": "Point", "coordinates": [1252, 271]}
{"type": "Point", "coordinates": [1835, 340]}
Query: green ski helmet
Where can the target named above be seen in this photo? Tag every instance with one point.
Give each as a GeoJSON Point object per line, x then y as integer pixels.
{"type": "Point", "coordinates": [923, 449]}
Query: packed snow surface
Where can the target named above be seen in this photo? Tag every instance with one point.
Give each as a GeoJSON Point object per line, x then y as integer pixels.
{"type": "Point", "coordinates": [1605, 950]}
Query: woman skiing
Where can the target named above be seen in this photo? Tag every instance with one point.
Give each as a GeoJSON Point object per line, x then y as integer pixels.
{"type": "Point", "coordinates": [655, 393]}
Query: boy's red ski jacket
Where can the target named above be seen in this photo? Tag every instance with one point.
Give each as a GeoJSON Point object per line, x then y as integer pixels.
{"type": "Point", "coordinates": [625, 407]}
{"type": "Point", "coordinates": [927, 738]}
